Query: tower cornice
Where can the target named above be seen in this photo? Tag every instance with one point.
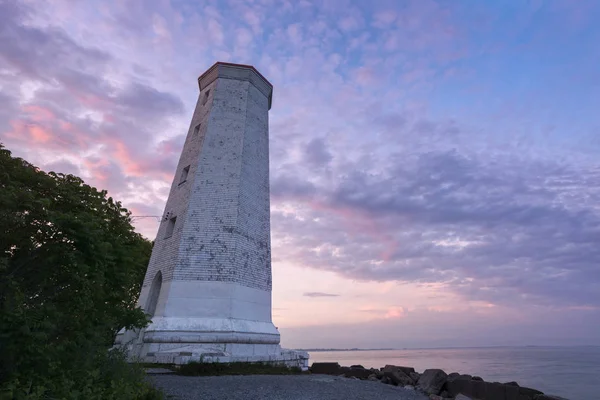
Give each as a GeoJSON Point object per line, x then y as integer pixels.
{"type": "Point", "coordinates": [237, 71]}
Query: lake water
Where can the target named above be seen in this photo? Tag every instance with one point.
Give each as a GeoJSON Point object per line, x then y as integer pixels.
{"type": "Point", "coordinates": [571, 372]}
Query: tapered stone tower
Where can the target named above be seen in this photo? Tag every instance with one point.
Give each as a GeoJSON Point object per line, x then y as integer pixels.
{"type": "Point", "coordinates": [208, 283]}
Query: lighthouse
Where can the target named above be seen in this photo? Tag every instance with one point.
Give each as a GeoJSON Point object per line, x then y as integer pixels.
{"type": "Point", "coordinates": [208, 284]}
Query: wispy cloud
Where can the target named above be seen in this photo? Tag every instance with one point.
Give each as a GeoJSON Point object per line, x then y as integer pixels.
{"type": "Point", "coordinates": [320, 294]}
{"type": "Point", "coordinates": [414, 143]}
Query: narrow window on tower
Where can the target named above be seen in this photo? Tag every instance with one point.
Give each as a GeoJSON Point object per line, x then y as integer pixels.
{"type": "Point", "coordinates": [184, 174]}
{"type": "Point", "coordinates": [205, 99]}
{"type": "Point", "coordinates": [170, 227]}
{"type": "Point", "coordinates": [196, 130]}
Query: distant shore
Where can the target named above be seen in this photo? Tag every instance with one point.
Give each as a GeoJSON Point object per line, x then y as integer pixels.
{"type": "Point", "coordinates": [317, 350]}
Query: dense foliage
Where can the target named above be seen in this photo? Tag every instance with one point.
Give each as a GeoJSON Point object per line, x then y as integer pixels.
{"type": "Point", "coordinates": [71, 267]}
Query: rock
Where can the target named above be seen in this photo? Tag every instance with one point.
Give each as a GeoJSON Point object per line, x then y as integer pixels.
{"type": "Point", "coordinates": [477, 378]}
{"type": "Point", "coordinates": [477, 389]}
{"type": "Point", "coordinates": [406, 370]}
{"type": "Point", "coordinates": [512, 392]}
{"type": "Point", "coordinates": [372, 377]}
{"type": "Point", "coordinates": [456, 375]}
{"type": "Point", "coordinates": [327, 368]}
{"type": "Point", "coordinates": [409, 387]}
{"type": "Point", "coordinates": [398, 377]}
{"type": "Point", "coordinates": [495, 390]}
{"type": "Point", "coordinates": [465, 385]}
{"type": "Point", "coordinates": [386, 380]}
{"type": "Point", "coordinates": [462, 397]}
{"type": "Point", "coordinates": [379, 374]}
{"type": "Point", "coordinates": [547, 397]}
{"type": "Point", "coordinates": [357, 366]}
{"type": "Point", "coordinates": [357, 373]}
{"type": "Point", "coordinates": [529, 392]}
{"type": "Point", "coordinates": [444, 394]}
{"type": "Point", "coordinates": [432, 381]}
{"type": "Point", "coordinates": [436, 397]}
{"type": "Point", "coordinates": [414, 376]}
{"type": "Point", "coordinates": [512, 383]}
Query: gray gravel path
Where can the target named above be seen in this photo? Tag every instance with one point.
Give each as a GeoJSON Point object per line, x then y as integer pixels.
{"type": "Point", "coordinates": [278, 387]}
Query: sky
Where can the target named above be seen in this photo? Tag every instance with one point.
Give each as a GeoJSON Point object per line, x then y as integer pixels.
{"type": "Point", "coordinates": [435, 168]}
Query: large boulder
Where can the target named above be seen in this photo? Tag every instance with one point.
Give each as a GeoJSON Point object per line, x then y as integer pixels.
{"type": "Point", "coordinates": [456, 385]}
{"type": "Point", "coordinates": [327, 368]}
{"type": "Point", "coordinates": [529, 392]}
{"type": "Point", "coordinates": [439, 397]}
{"type": "Point", "coordinates": [494, 390]}
{"type": "Point", "coordinates": [406, 370]}
{"type": "Point", "coordinates": [512, 392]}
{"type": "Point", "coordinates": [484, 390]}
{"type": "Point", "coordinates": [357, 373]}
{"type": "Point", "coordinates": [463, 384]}
{"type": "Point", "coordinates": [432, 381]}
{"type": "Point", "coordinates": [456, 375]}
{"type": "Point", "coordinates": [397, 376]}
{"type": "Point", "coordinates": [415, 377]}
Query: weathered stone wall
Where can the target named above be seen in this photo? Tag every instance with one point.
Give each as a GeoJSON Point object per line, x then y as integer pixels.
{"type": "Point", "coordinates": [252, 231]}
{"type": "Point", "coordinates": [226, 231]}
{"type": "Point", "coordinates": [207, 250]}
{"type": "Point", "coordinates": [166, 250]}
{"type": "Point", "coordinates": [222, 229]}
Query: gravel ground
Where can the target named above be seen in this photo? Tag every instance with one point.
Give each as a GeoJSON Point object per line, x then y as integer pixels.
{"type": "Point", "coordinates": [278, 387]}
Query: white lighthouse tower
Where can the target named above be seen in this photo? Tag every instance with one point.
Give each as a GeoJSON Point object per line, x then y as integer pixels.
{"type": "Point", "coordinates": [208, 283]}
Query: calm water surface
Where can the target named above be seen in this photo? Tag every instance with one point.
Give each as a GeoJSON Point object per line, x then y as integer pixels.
{"type": "Point", "coordinates": [571, 372]}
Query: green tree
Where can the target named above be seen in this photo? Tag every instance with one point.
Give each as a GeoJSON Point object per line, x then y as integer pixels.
{"type": "Point", "coordinates": [71, 267]}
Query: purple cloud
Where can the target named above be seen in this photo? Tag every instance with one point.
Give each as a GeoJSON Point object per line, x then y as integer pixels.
{"type": "Point", "coordinates": [499, 232]}
{"type": "Point", "coordinates": [418, 142]}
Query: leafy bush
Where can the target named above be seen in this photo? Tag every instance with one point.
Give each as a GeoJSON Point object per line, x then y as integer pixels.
{"type": "Point", "coordinates": [71, 267]}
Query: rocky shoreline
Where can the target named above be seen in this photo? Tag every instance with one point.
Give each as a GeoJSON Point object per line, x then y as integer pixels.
{"type": "Point", "coordinates": [435, 383]}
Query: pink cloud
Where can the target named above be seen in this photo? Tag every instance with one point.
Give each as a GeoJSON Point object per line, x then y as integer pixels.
{"type": "Point", "coordinates": [32, 134]}
{"type": "Point", "coordinates": [394, 312]}
{"type": "Point", "coordinates": [39, 113]}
